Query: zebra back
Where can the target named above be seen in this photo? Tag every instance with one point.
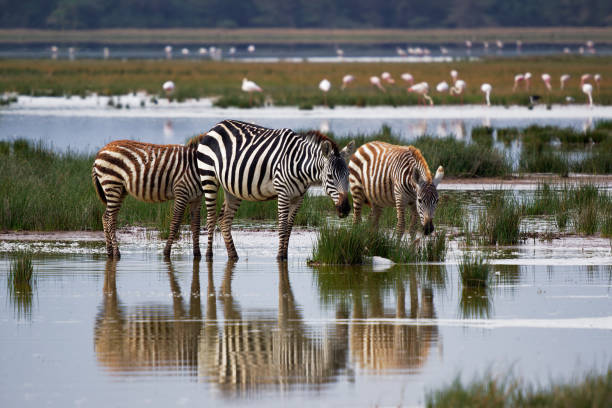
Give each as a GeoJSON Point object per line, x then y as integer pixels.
{"type": "Point", "coordinates": [149, 172]}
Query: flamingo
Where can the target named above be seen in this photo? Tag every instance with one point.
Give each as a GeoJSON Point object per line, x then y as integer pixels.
{"type": "Point", "coordinates": [203, 51]}
{"type": "Point", "coordinates": [400, 52]}
{"type": "Point", "coordinates": [232, 50]}
{"type": "Point", "coordinates": [408, 78]}
{"type": "Point", "coordinates": [442, 87]}
{"type": "Point", "coordinates": [168, 51]}
{"type": "Point", "coordinates": [499, 44]}
{"type": "Point", "coordinates": [564, 78]}
{"type": "Point", "coordinates": [546, 79]}
{"type": "Point", "coordinates": [454, 75]}
{"type": "Point", "coordinates": [325, 86]}
{"type": "Point", "coordinates": [597, 79]}
{"type": "Point", "coordinates": [519, 46]}
{"type": "Point", "coordinates": [374, 80]}
{"type": "Point", "coordinates": [168, 88]}
{"type": "Point", "coordinates": [340, 52]}
{"type": "Point", "coordinates": [588, 90]}
{"type": "Point", "coordinates": [251, 48]}
{"type": "Point", "coordinates": [387, 78]}
{"type": "Point", "coordinates": [517, 79]}
{"type": "Point", "coordinates": [106, 52]}
{"type": "Point", "coordinates": [346, 80]}
{"type": "Point", "coordinates": [527, 77]}
{"type": "Point", "coordinates": [422, 89]}
{"type": "Point", "coordinates": [250, 87]}
{"type": "Point", "coordinates": [458, 89]}
{"type": "Point", "coordinates": [486, 89]}
{"type": "Point", "coordinates": [185, 51]}
{"type": "Point", "coordinates": [584, 78]}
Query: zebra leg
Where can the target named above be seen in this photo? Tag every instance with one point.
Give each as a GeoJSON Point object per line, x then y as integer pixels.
{"type": "Point", "coordinates": [400, 207]}
{"type": "Point", "coordinates": [114, 198]}
{"type": "Point", "coordinates": [107, 237]}
{"type": "Point", "coordinates": [375, 215]}
{"type": "Point", "coordinates": [294, 206]}
{"type": "Point", "coordinates": [210, 197]}
{"type": "Point", "coordinates": [195, 207]}
{"type": "Point", "coordinates": [358, 200]}
{"type": "Point", "coordinates": [284, 204]}
{"type": "Point", "coordinates": [231, 205]}
{"type": "Point", "coordinates": [177, 216]}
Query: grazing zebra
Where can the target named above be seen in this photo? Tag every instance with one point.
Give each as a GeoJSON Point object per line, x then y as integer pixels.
{"type": "Point", "coordinates": [254, 163]}
{"type": "Point", "coordinates": [152, 173]}
{"type": "Point", "coordinates": [385, 175]}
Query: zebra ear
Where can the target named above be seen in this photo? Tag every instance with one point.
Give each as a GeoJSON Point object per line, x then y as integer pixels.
{"type": "Point", "coordinates": [439, 176]}
{"type": "Point", "coordinates": [348, 150]}
{"type": "Point", "coordinates": [326, 148]}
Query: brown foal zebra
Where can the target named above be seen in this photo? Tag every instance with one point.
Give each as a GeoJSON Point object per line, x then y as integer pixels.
{"type": "Point", "coordinates": [152, 173]}
{"type": "Point", "coordinates": [386, 175]}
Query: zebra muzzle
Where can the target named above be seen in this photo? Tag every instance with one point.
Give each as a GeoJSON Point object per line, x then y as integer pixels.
{"type": "Point", "coordinates": [428, 227]}
{"type": "Point", "coordinates": [343, 207]}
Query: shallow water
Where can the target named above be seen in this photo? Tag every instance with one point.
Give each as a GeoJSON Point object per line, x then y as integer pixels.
{"type": "Point", "coordinates": [143, 332]}
{"type": "Point", "coordinates": [85, 125]}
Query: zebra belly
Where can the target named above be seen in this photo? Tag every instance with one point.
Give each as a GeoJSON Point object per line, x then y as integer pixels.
{"type": "Point", "coordinates": [263, 192]}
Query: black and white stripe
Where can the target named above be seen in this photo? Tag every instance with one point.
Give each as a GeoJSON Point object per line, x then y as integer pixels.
{"type": "Point", "coordinates": [152, 173]}
{"type": "Point", "coordinates": [254, 163]}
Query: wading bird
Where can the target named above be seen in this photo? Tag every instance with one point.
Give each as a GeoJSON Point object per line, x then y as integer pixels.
{"type": "Point", "coordinates": [597, 79]}
{"type": "Point", "coordinates": [346, 80]}
{"type": "Point", "coordinates": [546, 79]}
{"type": "Point", "coordinates": [325, 86]}
{"type": "Point", "coordinates": [454, 75]}
{"type": "Point", "coordinates": [442, 87]}
{"type": "Point", "coordinates": [251, 48]}
{"type": "Point", "coordinates": [168, 88]}
{"type": "Point", "coordinates": [564, 78]}
{"type": "Point", "coordinates": [408, 78]}
{"type": "Point", "coordinates": [527, 78]}
{"type": "Point", "coordinates": [486, 89]}
{"type": "Point", "coordinates": [588, 90]}
{"type": "Point", "coordinates": [458, 89]}
{"type": "Point", "coordinates": [387, 78]}
{"type": "Point", "coordinates": [518, 78]}
{"type": "Point", "coordinates": [422, 90]}
{"type": "Point", "coordinates": [374, 80]}
{"type": "Point", "coordinates": [584, 78]}
{"type": "Point", "coordinates": [250, 87]}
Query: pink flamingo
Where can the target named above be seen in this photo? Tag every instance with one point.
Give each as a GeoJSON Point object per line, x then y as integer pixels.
{"type": "Point", "coordinates": [517, 79]}
{"type": "Point", "coordinates": [250, 87]}
{"type": "Point", "coordinates": [325, 86]}
{"type": "Point", "coordinates": [422, 90]}
{"type": "Point", "coordinates": [588, 90]}
{"type": "Point", "coordinates": [408, 78]}
{"type": "Point", "coordinates": [584, 78]}
{"type": "Point", "coordinates": [346, 80]}
{"type": "Point", "coordinates": [486, 89]}
{"type": "Point", "coordinates": [385, 76]}
{"type": "Point", "coordinates": [458, 89]}
{"type": "Point", "coordinates": [564, 78]}
{"type": "Point", "coordinates": [442, 87]}
{"type": "Point", "coordinates": [527, 78]}
{"type": "Point", "coordinates": [454, 75]}
{"type": "Point", "coordinates": [374, 80]}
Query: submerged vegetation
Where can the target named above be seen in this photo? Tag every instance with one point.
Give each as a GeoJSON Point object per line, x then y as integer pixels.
{"type": "Point", "coordinates": [595, 391]}
{"type": "Point", "coordinates": [295, 84]}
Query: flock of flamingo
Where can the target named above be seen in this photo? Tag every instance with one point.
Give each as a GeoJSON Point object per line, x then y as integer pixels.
{"type": "Point", "coordinates": [458, 88]}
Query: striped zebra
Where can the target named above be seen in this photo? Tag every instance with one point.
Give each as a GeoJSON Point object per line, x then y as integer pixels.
{"type": "Point", "coordinates": [385, 175]}
{"type": "Point", "coordinates": [152, 173]}
{"type": "Point", "coordinates": [254, 163]}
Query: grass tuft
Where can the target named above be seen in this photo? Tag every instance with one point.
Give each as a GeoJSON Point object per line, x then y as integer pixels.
{"type": "Point", "coordinates": [499, 223]}
{"type": "Point", "coordinates": [474, 271]}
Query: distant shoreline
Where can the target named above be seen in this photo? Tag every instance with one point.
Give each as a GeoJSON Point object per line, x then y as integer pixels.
{"type": "Point", "coordinates": [551, 35]}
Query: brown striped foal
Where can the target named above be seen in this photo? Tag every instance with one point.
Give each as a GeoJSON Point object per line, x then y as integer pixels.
{"type": "Point", "coordinates": [385, 175]}
{"type": "Point", "coordinates": [151, 173]}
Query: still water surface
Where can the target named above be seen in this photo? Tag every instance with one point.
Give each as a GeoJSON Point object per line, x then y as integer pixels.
{"type": "Point", "coordinates": [144, 332]}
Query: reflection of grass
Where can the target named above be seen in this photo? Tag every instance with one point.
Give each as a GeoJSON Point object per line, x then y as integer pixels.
{"type": "Point", "coordinates": [21, 281]}
{"type": "Point", "coordinates": [351, 245]}
{"type": "Point", "coordinates": [595, 390]}
{"type": "Point", "coordinates": [475, 303]}
{"type": "Point", "coordinates": [474, 271]}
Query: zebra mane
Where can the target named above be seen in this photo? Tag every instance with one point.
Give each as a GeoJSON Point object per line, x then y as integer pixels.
{"type": "Point", "coordinates": [422, 163]}
{"type": "Point", "coordinates": [195, 140]}
{"type": "Point", "coordinates": [318, 137]}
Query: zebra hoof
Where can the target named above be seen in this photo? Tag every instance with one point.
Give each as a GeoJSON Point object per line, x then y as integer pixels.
{"type": "Point", "coordinates": [197, 253]}
{"type": "Point", "coordinates": [281, 258]}
{"type": "Point", "coordinates": [166, 253]}
{"type": "Point", "coordinates": [209, 256]}
{"type": "Point", "coordinates": [232, 257]}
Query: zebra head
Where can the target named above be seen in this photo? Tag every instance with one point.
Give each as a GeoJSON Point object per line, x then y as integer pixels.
{"type": "Point", "coordinates": [335, 175]}
{"type": "Point", "coordinates": [427, 198]}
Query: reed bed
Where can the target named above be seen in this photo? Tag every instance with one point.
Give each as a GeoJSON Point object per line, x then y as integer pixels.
{"type": "Point", "coordinates": [499, 222]}
{"type": "Point", "coordinates": [594, 390]}
{"type": "Point", "coordinates": [353, 245]}
{"type": "Point", "coordinates": [295, 84]}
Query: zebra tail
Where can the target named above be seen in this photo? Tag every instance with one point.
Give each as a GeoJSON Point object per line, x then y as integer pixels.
{"type": "Point", "coordinates": [98, 186]}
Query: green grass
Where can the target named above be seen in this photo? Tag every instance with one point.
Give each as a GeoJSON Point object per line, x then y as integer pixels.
{"type": "Point", "coordinates": [474, 271]}
{"type": "Point", "coordinates": [352, 245]}
{"type": "Point", "coordinates": [21, 280]}
{"type": "Point", "coordinates": [594, 391]}
{"type": "Point", "coordinates": [499, 222]}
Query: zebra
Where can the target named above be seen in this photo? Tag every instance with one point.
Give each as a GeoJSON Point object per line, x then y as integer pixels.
{"type": "Point", "coordinates": [152, 173]}
{"type": "Point", "coordinates": [254, 163]}
{"type": "Point", "coordinates": [386, 175]}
